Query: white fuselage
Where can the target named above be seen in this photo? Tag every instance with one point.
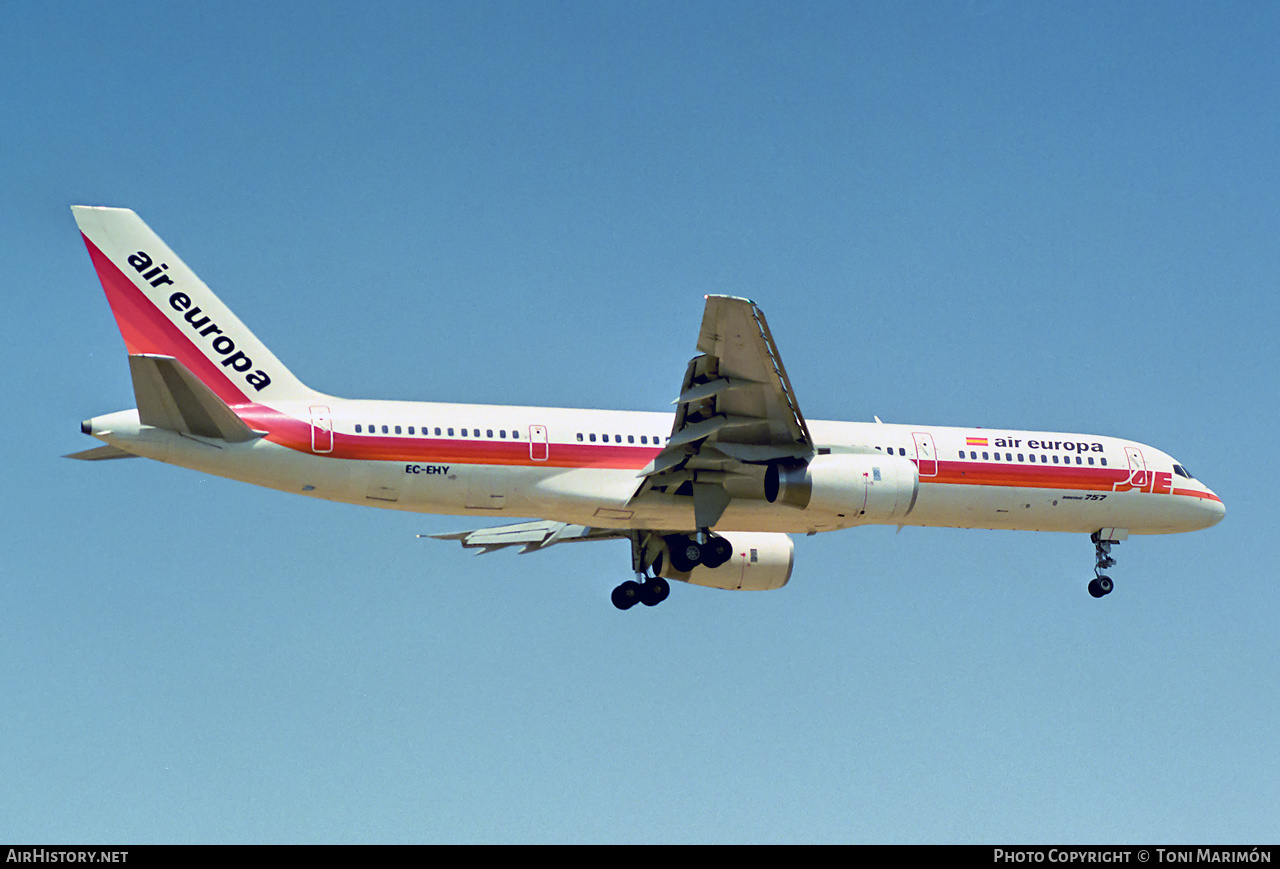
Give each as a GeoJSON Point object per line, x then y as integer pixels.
{"type": "Point", "coordinates": [584, 466]}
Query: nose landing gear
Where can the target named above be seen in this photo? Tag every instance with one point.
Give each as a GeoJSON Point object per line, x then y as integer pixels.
{"type": "Point", "coordinates": [1101, 584]}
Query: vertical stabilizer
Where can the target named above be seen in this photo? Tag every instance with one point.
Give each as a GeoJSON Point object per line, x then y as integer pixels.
{"type": "Point", "coordinates": [163, 309]}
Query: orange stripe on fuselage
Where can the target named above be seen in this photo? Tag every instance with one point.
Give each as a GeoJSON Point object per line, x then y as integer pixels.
{"type": "Point", "coordinates": [1196, 493]}
{"type": "Point", "coordinates": [296, 434]}
{"type": "Point", "coordinates": [1027, 476]}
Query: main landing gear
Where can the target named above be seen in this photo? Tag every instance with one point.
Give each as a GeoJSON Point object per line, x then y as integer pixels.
{"type": "Point", "coordinates": [685, 552]}
{"type": "Point", "coordinates": [1101, 584]}
{"type": "Point", "coordinates": [706, 550]}
{"type": "Point", "coordinates": [651, 592]}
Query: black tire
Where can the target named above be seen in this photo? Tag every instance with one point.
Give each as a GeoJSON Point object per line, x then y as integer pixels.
{"type": "Point", "coordinates": [654, 591]}
{"type": "Point", "coordinates": [718, 552]}
{"type": "Point", "coordinates": [686, 553]}
{"type": "Point", "coordinates": [627, 595]}
{"type": "Point", "coordinates": [1094, 588]}
{"type": "Point", "coordinates": [1105, 585]}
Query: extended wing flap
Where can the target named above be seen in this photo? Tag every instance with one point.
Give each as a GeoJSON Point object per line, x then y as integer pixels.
{"type": "Point", "coordinates": [169, 396]}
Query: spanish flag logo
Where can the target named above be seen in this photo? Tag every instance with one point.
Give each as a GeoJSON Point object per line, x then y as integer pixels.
{"type": "Point", "coordinates": [975, 442]}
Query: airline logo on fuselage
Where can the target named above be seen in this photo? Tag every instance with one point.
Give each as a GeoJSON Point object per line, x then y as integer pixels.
{"type": "Point", "coordinates": [156, 274]}
{"type": "Point", "coordinates": [1140, 480]}
{"type": "Point", "coordinates": [1034, 444]}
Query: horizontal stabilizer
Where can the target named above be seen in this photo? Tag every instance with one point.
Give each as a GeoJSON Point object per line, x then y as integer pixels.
{"type": "Point", "coordinates": [98, 454]}
{"type": "Point", "coordinates": [169, 396]}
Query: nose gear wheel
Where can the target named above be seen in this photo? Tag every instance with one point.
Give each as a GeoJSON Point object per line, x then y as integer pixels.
{"type": "Point", "coordinates": [1101, 584]}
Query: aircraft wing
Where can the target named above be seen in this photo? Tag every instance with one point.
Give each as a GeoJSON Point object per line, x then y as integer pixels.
{"type": "Point", "coordinates": [531, 536]}
{"type": "Point", "coordinates": [736, 413]}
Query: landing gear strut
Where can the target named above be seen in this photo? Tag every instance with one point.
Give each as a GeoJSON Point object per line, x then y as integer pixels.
{"type": "Point", "coordinates": [646, 558]}
{"type": "Point", "coordinates": [1101, 584]}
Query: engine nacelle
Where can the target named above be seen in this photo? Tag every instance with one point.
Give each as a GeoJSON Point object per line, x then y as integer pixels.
{"type": "Point", "coordinates": [761, 561]}
{"type": "Point", "coordinates": [865, 487]}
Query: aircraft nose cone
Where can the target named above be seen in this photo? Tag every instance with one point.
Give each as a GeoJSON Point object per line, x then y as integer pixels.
{"type": "Point", "coordinates": [1212, 510]}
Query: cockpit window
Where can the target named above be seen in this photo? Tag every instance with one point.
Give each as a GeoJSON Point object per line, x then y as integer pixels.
{"type": "Point", "coordinates": [1182, 472]}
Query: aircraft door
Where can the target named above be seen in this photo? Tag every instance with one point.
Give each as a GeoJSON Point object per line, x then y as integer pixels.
{"type": "Point", "coordinates": [539, 449]}
{"type": "Point", "coordinates": [321, 429]}
{"type": "Point", "coordinates": [926, 454]}
{"type": "Point", "coordinates": [1137, 467]}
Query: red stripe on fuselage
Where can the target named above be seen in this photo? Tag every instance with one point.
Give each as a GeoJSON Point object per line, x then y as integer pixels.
{"type": "Point", "coordinates": [1196, 493]}
{"type": "Point", "coordinates": [468, 452]}
{"type": "Point", "coordinates": [1028, 476]}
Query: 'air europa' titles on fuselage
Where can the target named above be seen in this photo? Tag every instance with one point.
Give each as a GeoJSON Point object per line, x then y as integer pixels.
{"type": "Point", "coordinates": [1064, 446]}
{"type": "Point", "coordinates": [199, 322]}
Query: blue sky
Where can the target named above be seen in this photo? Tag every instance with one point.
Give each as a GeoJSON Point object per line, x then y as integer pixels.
{"type": "Point", "coordinates": [1020, 215]}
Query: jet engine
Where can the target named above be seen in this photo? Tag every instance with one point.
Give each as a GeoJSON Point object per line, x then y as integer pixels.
{"type": "Point", "coordinates": [761, 561]}
{"type": "Point", "coordinates": [871, 487]}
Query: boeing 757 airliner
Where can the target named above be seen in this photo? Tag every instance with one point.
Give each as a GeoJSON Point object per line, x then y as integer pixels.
{"type": "Point", "coordinates": [707, 496]}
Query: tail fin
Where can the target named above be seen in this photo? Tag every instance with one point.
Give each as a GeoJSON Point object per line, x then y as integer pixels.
{"type": "Point", "coordinates": [163, 309]}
